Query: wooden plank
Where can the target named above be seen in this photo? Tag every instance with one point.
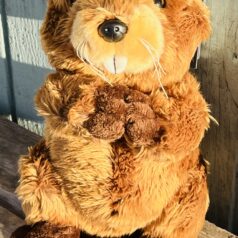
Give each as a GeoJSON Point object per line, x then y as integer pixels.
{"type": "Point", "coordinates": [11, 203]}
{"type": "Point", "coordinates": [212, 231]}
{"type": "Point", "coordinates": [235, 221]}
{"type": "Point", "coordinates": [218, 70]}
{"type": "Point", "coordinates": [14, 141]}
{"type": "Point", "coordinates": [8, 223]}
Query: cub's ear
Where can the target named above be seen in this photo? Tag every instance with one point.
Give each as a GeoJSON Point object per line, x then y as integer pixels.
{"type": "Point", "coordinates": [61, 4]}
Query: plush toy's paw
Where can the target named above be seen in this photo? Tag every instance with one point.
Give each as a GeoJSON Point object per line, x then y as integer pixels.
{"type": "Point", "coordinates": [45, 230]}
{"type": "Point", "coordinates": [143, 127]}
{"type": "Point", "coordinates": [111, 99]}
{"type": "Point", "coordinates": [110, 113]}
{"type": "Point", "coordinates": [136, 96]}
{"type": "Point", "coordinates": [118, 108]}
{"type": "Point", "coordinates": [103, 126]}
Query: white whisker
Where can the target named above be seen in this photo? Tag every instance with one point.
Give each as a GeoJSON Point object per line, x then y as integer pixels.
{"type": "Point", "coordinates": [156, 53]}
{"type": "Point", "coordinates": [214, 120]}
{"type": "Point", "coordinates": [155, 60]}
{"type": "Point", "coordinates": [94, 68]}
{"type": "Point", "coordinates": [81, 53]}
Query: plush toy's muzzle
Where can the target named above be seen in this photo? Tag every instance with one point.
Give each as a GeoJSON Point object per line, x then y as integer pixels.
{"type": "Point", "coordinates": [128, 40]}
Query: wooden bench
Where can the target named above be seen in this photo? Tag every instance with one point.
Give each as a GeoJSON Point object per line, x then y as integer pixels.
{"type": "Point", "coordinates": [14, 141]}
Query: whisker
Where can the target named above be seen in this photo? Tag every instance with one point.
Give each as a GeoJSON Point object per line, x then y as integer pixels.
{"type": "Point", "coordinates": [94, 68]}
{"type": "Point", "coordinates": [156, 53]}
{"type": "Point", "coordinates": [77, 50]}
{"type": "Point", "coordinates": [161, 68]}
{"type": "Point", "coordinates": [81, 53]}
{"type": "Point", "coordinates": [214, 120]}
{"type": "Point", "coordinates": [151, 47]}
{"type": "Point", "coordinates": [157, 70]}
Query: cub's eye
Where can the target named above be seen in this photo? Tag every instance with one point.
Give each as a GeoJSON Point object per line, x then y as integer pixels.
{"type": "Point", "coordinates": [71, 1]}
{"type": "Point", "coordinates": [160, 3]}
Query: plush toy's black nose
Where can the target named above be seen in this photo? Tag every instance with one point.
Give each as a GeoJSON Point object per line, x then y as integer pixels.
{"type": "Point", "coordinates": [112, 30]}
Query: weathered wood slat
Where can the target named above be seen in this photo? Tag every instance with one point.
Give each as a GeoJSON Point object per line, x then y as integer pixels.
{"type": "Point", "coordinates": [218, 71]}
{"type": "Point", "coordinates": [11, 203]}
{"type": "Point", "coordinates": [14, 141]}
{"type": "Point", "coordinates": [212, 231]}
{"type": "Point", "coordinates": [9, 223]}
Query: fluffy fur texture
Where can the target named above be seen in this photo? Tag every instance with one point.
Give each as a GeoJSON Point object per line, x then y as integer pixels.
{"type": "Point", "coordinates": [121, 150]}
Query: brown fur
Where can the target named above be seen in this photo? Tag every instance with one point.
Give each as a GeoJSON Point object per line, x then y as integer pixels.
{"type": "Point", "coordinates": [120, 111]}
{"type": "Point", "coordinates": [121, 157]}
{"type": "Point", "coordinates": [43, 230]}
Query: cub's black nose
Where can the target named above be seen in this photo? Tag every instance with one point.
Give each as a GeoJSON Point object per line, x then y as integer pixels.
{"type": "Point", "coordinates": [112, 30]}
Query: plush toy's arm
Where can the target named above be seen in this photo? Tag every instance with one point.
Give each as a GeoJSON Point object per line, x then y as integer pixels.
{"type": "Point", "coordinates": [178, 123]}
{"type": "Point", "coordinates": [69, 103]}
{"type": "Point", "coordinates": [66, 102]}
{"type": "Point", "coordinates": [185, 128]}
{"type": "Point", "coordinates": [58, 94]}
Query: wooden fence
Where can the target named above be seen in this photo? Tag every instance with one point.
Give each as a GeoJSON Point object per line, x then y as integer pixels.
{"type": "Point", "coordinates": [23, 67]}
{"type": "Point", "coordinates": [218, 72]}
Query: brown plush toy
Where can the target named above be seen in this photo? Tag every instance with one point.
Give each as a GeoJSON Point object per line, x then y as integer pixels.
{"type": "Point", "coordinates": [123, 122]}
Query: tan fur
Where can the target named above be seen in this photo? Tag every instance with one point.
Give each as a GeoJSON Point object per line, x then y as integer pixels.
{"type": "Point", "coordinates": [122, 157]}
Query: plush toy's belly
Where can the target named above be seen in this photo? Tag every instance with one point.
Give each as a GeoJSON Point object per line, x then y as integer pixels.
{"type": "Point", "coordinates": [113, 192]}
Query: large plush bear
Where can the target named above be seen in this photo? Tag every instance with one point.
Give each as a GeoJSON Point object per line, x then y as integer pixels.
{"type": "Point", "coordinates": [123, 122]}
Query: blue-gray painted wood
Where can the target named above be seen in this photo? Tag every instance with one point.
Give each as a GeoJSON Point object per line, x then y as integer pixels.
{"type": "Point", "coordinates": [8, 64]}
{"type": "Point", "coordinates": [4, 103]}
{"type": "Point", "coordinates": [28, 9]}
{"type": "Point", "coordinates": [29, 65]}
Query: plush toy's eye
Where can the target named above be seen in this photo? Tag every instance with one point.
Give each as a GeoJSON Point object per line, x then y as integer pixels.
{"type": "Point", "coordinates": [71, 1]}
{"type": "Point", "coordinates": [160, 3]}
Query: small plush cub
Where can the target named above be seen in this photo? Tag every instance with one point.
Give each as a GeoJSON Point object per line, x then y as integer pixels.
{"type": "Point", "coordinates": [124, 119]}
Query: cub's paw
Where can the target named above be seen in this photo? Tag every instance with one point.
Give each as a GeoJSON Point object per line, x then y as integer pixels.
{"type": "Point", "coordinates": [111, 99]}
{"type": "Point", "coordinates": [106, 126]}
{"type": "Point", "coordinates": [142, 126]}
{"type": "Point", "coordinates": [108, 121]}
{"type": "Point", "coordinates": [136, 96]}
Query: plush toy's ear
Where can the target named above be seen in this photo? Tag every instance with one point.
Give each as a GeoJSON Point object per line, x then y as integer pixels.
{"type": "Point", "coordinates": [179, 4]}
{"type": "Point", "coordinates": [55, 34]}
{"type": "Point", "coordinates": [61, 4]}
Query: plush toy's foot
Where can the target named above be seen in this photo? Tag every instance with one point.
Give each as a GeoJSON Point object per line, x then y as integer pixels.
{"type": "Point", "coordinates": [143, 128]}
{"type": "Point", "coordinates": [45, 230]}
